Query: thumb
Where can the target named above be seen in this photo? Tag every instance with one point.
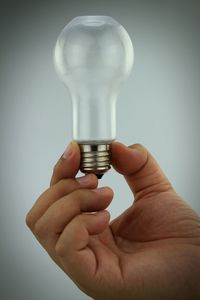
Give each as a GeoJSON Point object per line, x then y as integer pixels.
{"type": "Point", "coordinates": [140, 170]}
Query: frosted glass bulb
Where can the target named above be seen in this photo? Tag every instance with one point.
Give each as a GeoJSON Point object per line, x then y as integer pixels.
{"type": "Point", "coordinates": [93, 56]}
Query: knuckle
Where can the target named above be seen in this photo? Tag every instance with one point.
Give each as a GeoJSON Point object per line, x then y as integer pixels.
{"type": "Point", "coordinates": [56, 168]}
{"type": "Point", "coordinates": [153, 189]}
{"type": "Point", "coordinates": [59, 212]}
{"type": "Point", "coordinates": [65, 185]}
{"type": "Point", "coordinates": [28, 220]}
{"type": "Point", "coordinates": [82, 194]}
{"type": "Point", "coordinates": [76, 195]}
{"type": "Point", "coordinates": [60, 249]}
{"type": "Point", "coordinates": [79, 199]}
{"type": "Point", "coordinates": [39, 229]}
{"type": "Point", "coordinates": [74, 202]}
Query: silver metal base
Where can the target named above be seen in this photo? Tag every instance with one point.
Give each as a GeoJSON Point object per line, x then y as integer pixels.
{"type": "Point", "coordinates": [95, 159]}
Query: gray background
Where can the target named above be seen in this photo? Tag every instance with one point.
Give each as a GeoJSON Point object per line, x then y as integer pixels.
{"type": "Point", "coordinates": [159, 106]}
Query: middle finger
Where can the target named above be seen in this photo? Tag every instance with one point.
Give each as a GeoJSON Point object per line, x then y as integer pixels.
{"type": "Point", "coordinates": [57, 191]}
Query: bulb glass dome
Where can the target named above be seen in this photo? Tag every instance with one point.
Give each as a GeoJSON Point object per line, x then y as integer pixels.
{"type": "Point", "coordinates": [93, 56]}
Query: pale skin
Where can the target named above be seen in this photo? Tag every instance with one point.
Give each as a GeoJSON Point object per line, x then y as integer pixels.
{"type": "Point", "coordinates": [150, 252]}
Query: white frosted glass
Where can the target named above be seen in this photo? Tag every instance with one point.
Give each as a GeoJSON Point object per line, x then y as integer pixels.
{"type": "Point", "coordinates": [93, 56]}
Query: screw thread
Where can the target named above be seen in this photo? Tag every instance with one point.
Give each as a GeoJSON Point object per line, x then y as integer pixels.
{"type": "Point", "coordinates": [95, 159]}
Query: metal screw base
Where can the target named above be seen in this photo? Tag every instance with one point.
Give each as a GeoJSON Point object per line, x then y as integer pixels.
{"type": "Point", "coordinates": [95, 159]}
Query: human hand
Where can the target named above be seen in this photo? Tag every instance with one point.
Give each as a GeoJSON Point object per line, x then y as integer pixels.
{"type": "Point", "coordinates": [151, 251]}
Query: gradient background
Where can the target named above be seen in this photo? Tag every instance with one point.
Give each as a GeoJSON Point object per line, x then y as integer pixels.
{"type": "Point", "coordinates": [159, 106]}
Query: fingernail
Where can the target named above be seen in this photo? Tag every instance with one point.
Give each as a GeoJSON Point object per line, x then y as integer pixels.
{"type": "Point", "coordinates": [85, 180]}
{"type": "Point", "coordinates": [102, 190]}
{"type": "Point", "coordinates": [103, 213]}
{"type": "Point", "coordinates": [139, 154]}
{"type": "Point", "coordinates": [68, 152]}
{"type": "Point", "coordinates": [134, 150]}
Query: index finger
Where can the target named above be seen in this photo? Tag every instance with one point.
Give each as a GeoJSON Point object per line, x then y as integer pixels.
{"type": "Point", "coordinates": [68, 165]}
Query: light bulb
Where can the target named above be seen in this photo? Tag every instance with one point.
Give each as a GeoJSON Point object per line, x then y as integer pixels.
{"type": "Point", "coordinates": [93, 56]}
